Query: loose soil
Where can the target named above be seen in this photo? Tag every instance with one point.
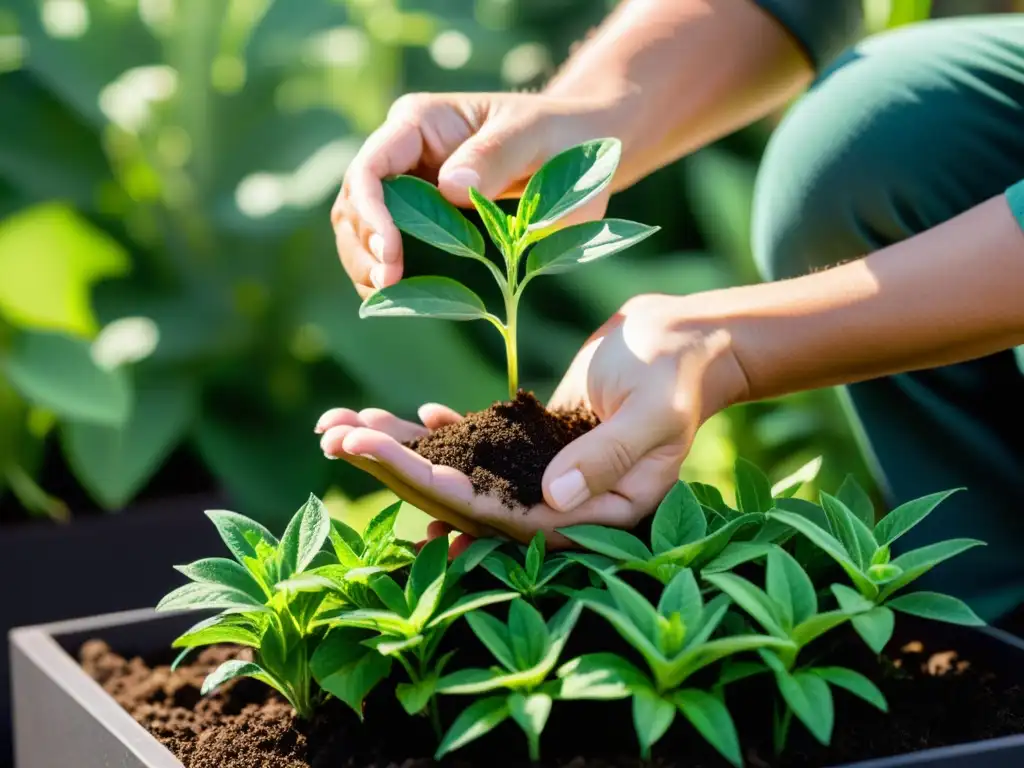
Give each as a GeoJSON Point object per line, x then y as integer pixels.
{"type": "Point", "coordinates": [505, 449]}
{"type": "Point", "coordinates": [936, 696]}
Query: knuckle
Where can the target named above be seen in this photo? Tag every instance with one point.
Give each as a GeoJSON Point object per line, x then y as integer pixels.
{"type": "Point", "coordinates": [618, 457]}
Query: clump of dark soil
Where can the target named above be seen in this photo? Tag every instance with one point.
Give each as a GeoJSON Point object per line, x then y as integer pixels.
{"type": "Point", "coordinates": [505, 449]}
{"type": "Point", "coordinates": [936, 697]}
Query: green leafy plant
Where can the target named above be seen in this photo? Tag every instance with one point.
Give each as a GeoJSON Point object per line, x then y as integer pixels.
{"type": "Point", "coordinates": [563, 184]}
{"type": "Point", "coordinates": [536, 576]}
{"type": "Point", "coordinates": [862, 549]}
{"type": "Point", "coordinates": [675, 640]}
{"type": "Point", "coordinates": [788, 609]}
{"type": "Point", "coordinates": [527, 650]}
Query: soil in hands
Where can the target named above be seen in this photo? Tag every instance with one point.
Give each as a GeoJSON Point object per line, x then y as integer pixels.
{"type": "Point", "coordinates": [505, 449]}
{"type": "Point", "coordinates": [936, 698]}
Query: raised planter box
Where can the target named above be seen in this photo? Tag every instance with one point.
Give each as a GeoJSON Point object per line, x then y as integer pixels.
{"type": "Point", "coordinates": [52, 693]}
{"type": "Point", "coordinates": [95, 566]}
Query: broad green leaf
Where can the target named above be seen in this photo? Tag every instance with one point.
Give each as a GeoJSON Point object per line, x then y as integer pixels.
{"type": "Point", "coordinates": [568, 181]}
{"type": "Point", "coordinates": [304, 537]}
{"type": "Point", "coordinates": [494, 635]}
{"type": "Point", "coordinates": [347, 544]}
{"type": "Point", "coordinates": [633, 605]}
{"type": "Point", "coordinates": [936, 606]}
{"type": "Point", "coordinates": [830, 546]}
{"type": "Point", "coordinates": [365, 618]}
{"type": "Point", "coordinates": [494, 219]}
{"type": "Point", "coordinates": [527, 633]}
{"type": "Point", "coordinates": [473, 681]}
{"type": "Point", "coordinates": [811, 701]}
{"type": "Point", "coordinates": [652, 717]}
{"type": "Point", "coordinates": [231, 628]}
{"type": "Point", "coordinates": [551, 569]}
{"type": "Point", "coordinates": [431, 296]}
{"type": "Point", "coordinates": [751, 599]}
{"type": "Point", "coordinates": [813, 627]}
{"type": "Point", "coordinates": [535, 557]}
{"type": "Point", "coordinates": [345, 668]}
{"type": "Point", "coordinates": [855, 683]}
{"type": "Point", "coordinates": [753, 489]}
{"type": "Point", "coordinates": [241, 535]}
{"type": "Point", "coordinates": [682, 596]}
{"type": "Point", "coordinates": [427, 568]}
{"type": "Point", "coordinates": [530, 712]}
{"type": "Point", "coordinates": [562, 250]}
{"type": "Point", "coordinates": [788, 584]}
{"type": "Point", "coordinates": [219, 570]}
{"type": "Point", "coordinates": [476, 720]}
{"type": "Point", "coordinates": [711, 617]}
{"type": "Point", "coordinates": [918, 562]}
{"type": "Point", "coordinates": [679, 520]}
{"type": "Point", "coordinates": [857, 500]}
{"type": "Point", "coordinates": [57, 372]}
{"type": "Point", "coordinates": [380, 531]}
{"type": "Point", "coordinates": [414, 697]}
{"type": "Point", "coordinates": [709, 496]}
{"type": "Point", "coordinates": [856, 538]}
{"type": "Point", "coordinates": [418, 209]}
{"type": "Point", "coordinates": [196, 596]}
{"type": "Point", "coordinates": [644, 644]}
{"type": "Point", "coordinates": [387, 589]}
{"type": "Point", "coordinates": [875, 627]}
{"type": "Point", "coordinates": [789, 485]}
{"type": "Point", "coordinates": [850, 600]}
{"type": "Point", "coordinates": [610, 542]}
{"type": "Point", "coordinates": [773, 531]}
{"type": "Point", "coordinates": [387, 646]}
{"type": "Point", "coordinates": [427, 603]}
{"type": "Point", "coordinates": [559, 627]}
{"type": "Point", "coordinates": [470, 603]}
{"type": "Point", "coordinates": [230, 670]}
{"type": "Point", "coordinates": [471, 557]}
{"type": "Point", "coordinates": [906, 516]}
{"type": "Point", "coordinates": [506, 570]}
{"type": "Point", "coordinates": [599, 676]}
{"type": "Point", "coordinates": [709, 715]}
{"type": "Point", "coordinates": [707, 653]}
{"type": "Point", "coordinates": [704, 550]}
{"type": "Point", "coordinates": [737, 553]}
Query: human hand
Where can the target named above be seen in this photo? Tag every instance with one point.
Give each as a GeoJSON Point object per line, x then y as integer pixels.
{"type": "Point", "coordinates": [493, 142]}
{"type": "Point", "coordinates": [653, 374]}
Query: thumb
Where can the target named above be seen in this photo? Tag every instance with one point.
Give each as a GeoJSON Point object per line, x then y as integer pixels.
{"type": "Point", "coordinates": [597, 461]}
{"type": "Point", "coordinates": [491, 161]}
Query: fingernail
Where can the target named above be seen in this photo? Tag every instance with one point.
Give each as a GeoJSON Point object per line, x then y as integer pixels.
{"type": "Point", "coordinates": [377, 247]}
{"type": "Point", "coordinates": [462, 177]}
{"type": "Point", "coordinates": [569, 491]}
{"type": "Point", "coordinates": [329, 456]}
{"type": "Point", "coordinates": [377, 276]}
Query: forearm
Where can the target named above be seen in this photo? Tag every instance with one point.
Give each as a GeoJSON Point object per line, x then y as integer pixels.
{"type": "Point", "coordinates": [673, 75]}
{"type": "Point", "coordinates": [949, 295]}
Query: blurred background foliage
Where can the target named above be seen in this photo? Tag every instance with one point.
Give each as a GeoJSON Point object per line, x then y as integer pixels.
{"type": "Point", "coordinates": [172, 314]}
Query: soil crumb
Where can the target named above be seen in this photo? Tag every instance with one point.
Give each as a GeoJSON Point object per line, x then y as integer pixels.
{"type": "Point", "coordinates": [505, 449]}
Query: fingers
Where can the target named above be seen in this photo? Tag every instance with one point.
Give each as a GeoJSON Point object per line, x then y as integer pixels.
{"type": "Point", "coordinates": [373, 418]}
{"type": "Point", "coordinates": [435, 415]}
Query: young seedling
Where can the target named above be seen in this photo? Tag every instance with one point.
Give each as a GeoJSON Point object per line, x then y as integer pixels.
{"type": "Point", "coordinates": [410, 628]}
{"type": "Point", "coordinates": [863, 552]}
{"type": "Point", "coordinates": [565, 183]}
{"type": "Point", "coordinates": [535, 577]}
{"type": "Point", "coordinates": [675, 641]}
{"type": "Point", "coordinates": [789, 610]}
{"type": "Point", "coordinates": [527, 649]}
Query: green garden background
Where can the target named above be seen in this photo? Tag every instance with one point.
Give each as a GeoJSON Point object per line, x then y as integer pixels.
{"type": "Point", "coordinates": [173, 316]}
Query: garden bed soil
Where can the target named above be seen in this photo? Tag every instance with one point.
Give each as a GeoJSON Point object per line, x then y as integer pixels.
{"type": "Point", "coordinates": [505, 449]}
{"type": "Point", "coordinates": [938, 696]}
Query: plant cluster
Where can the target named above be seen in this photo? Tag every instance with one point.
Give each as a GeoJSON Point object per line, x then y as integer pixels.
{"type": "Point", "coordinates": [718, 595]}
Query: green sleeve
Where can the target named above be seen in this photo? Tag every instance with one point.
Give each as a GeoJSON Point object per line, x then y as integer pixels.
{"type": "Point", "coordinates": [823, 28]}
{"type": "Point", "coordinates": [1015, 199]}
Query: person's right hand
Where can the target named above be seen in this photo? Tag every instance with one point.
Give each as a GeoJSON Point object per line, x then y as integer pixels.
{"type": "Point", "coordinates": [491, 141]}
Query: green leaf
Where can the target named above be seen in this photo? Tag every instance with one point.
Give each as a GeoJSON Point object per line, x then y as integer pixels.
{"type": "Point", "coordinates": [438, 297]}
{"type": "Point", "coordinates": [469, 603]}
{"type": "Point", "coordinates": [427, 603]}
{"type": "Point", "coordinates": [599, 676]}
{"type": "Point", "coordinates": [906, 516]}
{"type": "Point", "coordinates": [753, 489]}
{"type": "Point", "coordinates": [494, 220]}
{"type": "Point", "coordinates": [610, 542]}
{"type": "Point", "coordinates": [644, 644]}
{"type": "Point", "coordinates": [789, 485]}
{"type": "Point", "coordinates": [813, 627]}
{"type": "Point", "coordinates": [418, 209]}
{"type": "Point", "coordinates": [219, 570]}
{"type": "Point", "coordinates": [682, 596]}
{"type": "Point", "coordinates": [304, 537]}
{"type": "Point", "coordinates": [918, 562]}
{"type": "Point", "coordinates": [856, 538]}
{"type": "Point", "coordinates": [478, 719]}
{"type": "Point", "coordinates": [850, 600]}
{"type": "Point", "coordinates": [938, 607]}
{"type": "Point", "coordinates": [711, 497]}
{"type": "Point", "coordinates": [535, 557]}
{"type": "Point", "coordinates": [347, 669]}
{"type": "Point", "coordinates": [230, 628]}
{"type": "Point", "coordinates": [711, 617]}
{"type": "Point", "coordinates": [855, 683]}
{"type": "Point", "coordinates": [652, 716]}
{"type": "Point", "coordinates": [737, 553]}
{"type": "Point", "coordinates": [568, 181]}
{"type": "Point", "coordinates": [679, 520]}
{"type": "Point", "coordinates": [527, 633]}
{"type": "Point", "coordinates": [380, 531]}
{"type": "Point", "coordinates": [751, 599]}
{"type": "Point", "coordinates": [387, 589]}
{"type": "Point", "coordinates": [709, 715]}
{"type": "Point", "coordinates": [414, 697]}
{"type": "Point", "coordinates": [230, 670]}
{"type": "Point", "coordinates": [367, 618]}
{"type": "Point", "coordinates": [387, 646]}
{"type": "Point", "coordinates": [707, 549]}
{"type": "Point", "coordinates": [471, 557]}
{"type": "Point", "coordinates": [633, 605]}
{"type": "Point", "coordinates": [427, 568]}
{"type": "Point", "coordinates": [194, 596]}
{"type": "Point", "coordinates": [699, 656]}
{"type": "Point", "coordinates": [57, 372]}
{"type": "Point", "coordinates": [494, 635]}
{"type": "Point", "coordinates": [875, 627]}
{"type": "Point", "coordinates": [857, 500]}
{"type": "Point", "coordinates": [811, 701]}
{"type": "Point", "coordinates": [474, 681]}
{"type": "Point", "coordinates": [241, 535]}
{"type": "Point", "coordinates": [789, 586]}
{"type": "Point", "coordinates": [347, 543]}
{"type": "Point", "coordinates": [530, 712]}
{"type": "Point", "coordinates": [563, 249]}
